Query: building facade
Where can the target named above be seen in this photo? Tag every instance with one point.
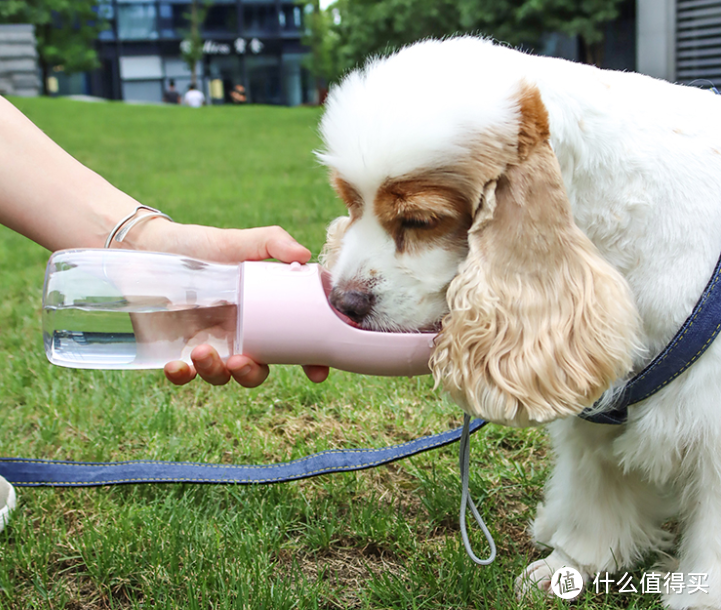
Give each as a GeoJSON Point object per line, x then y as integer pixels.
{"type": "Point", "coordinates": [680, 40]}
{"type": "Point", "coordinates": [254, 43]}
{"type": "Point", "coordinates": [257, 43]}
{"type": "Point", "coordinates": [18, 61]}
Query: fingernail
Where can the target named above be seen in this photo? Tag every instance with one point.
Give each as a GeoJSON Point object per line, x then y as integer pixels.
{"type": "Point", "coordinates": [244, 371]}
{"type": "Point", "coordinates": [173, 368]}
{"type": "Point", "coordinates": [206, 361]}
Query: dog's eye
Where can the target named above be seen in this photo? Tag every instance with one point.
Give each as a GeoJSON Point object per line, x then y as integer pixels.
{"type": "Point", "coordinates": [419, 223]}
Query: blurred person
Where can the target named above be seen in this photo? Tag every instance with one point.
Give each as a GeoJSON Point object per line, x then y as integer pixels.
{"type": "Point", "coordinates": [54, 200]}
{"type": "Point", "coordinates": [238, 95]}
{"type": "Point", "coordinates": [193, 97]}
{"type": "Point", "coordinates": [171, 95]}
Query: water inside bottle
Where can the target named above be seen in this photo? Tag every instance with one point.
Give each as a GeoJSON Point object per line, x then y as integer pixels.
{"type": "Point", "coordinates": [135, 333]}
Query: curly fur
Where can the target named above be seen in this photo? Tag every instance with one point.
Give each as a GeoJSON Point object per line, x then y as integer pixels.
{"type": "Point", "coordinates": [537, 333]}
{"type": "Point", "coordinates": [561, 221]}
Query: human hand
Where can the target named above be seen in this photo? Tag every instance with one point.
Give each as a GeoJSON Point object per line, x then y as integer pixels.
{"type": "Point", "coordinates": [248, 373]}
{"type": "Point", "coordinates": [225, 246]}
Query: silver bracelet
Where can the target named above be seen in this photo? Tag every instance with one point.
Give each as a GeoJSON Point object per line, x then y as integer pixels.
{"type": "Point", "coordinates": [121, 229]}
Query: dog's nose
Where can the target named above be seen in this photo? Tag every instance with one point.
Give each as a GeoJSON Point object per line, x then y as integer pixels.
{"type": "Point", "coordinates": [355, 304]}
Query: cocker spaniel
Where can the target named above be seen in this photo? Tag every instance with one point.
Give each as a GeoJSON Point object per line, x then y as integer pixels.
{"type": "Point", "coordinates": [557, 223]}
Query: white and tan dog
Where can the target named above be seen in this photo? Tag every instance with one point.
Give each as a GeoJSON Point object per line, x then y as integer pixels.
{"type": "Point", "coordinates": [561, 222]}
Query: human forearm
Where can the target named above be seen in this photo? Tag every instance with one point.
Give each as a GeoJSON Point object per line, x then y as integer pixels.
{"type": "Point", "coordinates": [56, 201]}
{"type": "Point", "coordinates": [49, 196]}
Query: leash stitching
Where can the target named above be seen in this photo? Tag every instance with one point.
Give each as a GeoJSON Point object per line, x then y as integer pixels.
{"type": "Point", "coordinates": [675, 343]}
{"type": "Point", "coordinates": [448, 439]}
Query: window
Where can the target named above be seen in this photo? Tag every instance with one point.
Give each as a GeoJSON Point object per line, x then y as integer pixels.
{"type": "Point", "coordinates": [141, 68]}
{"type": "Point", "coordinates": [290, 18]}
{"type": "Point", "coordinates": [137, 21]}
{"type": "Point", "coordinates": [260, 19]}
{"type": "Point", "coordinates": [293, 78]}
{"type": "Point", "coordinates": [263, 78]}
{"type": "Point", "coordinates": [143, 91]}
{"type": "Point", "coordinates": [221, 19]}
{"type": "Point", "coordinates": [176, 68]}
{"type": "Point", "coordinates": [142, 78]}
{"type": "Point", "coordinates": [107, 13]}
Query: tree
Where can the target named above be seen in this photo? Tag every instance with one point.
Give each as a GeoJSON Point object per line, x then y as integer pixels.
{"type": "Point", "coordinates": [378, 27]}
{"type": "Point", "coordinates": [65, 31]}
{"type": "Point", "coordinates": [586, 19]}
{"type": "Point", "coordinates": [321, 38]}
{"type": "Point", "coordinates": [191, 49]}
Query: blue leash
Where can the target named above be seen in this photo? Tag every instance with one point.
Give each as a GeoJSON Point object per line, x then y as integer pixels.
{"type": "Point", "coordinates": [693, 338]}
{"type": "Point", "coordinates": [53, 473]}
{"type": "Point", "coordinates": [56, 473]}
{"type": "Point", "coordinates": [688, 345]}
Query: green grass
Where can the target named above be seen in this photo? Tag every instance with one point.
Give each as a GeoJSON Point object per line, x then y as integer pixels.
{"type": "Point", "coordinates": [386, 538]}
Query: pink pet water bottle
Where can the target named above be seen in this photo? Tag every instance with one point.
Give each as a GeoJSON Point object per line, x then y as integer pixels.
{"type": "Point", "coordinates": [122, 309]}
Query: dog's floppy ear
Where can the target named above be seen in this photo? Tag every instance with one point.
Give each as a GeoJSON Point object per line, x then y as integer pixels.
{"type": "Point", "coordinates": [333, 241]}
{"type": "Point", "coordinates": [539, 324]}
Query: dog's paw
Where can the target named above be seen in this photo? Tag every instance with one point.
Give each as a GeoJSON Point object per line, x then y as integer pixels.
{"type": "Point", "coordinates": [536, 578]}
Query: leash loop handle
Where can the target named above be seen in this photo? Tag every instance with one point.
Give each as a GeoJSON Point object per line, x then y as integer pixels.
{"type": "Point", "coordinates": [466, 499]}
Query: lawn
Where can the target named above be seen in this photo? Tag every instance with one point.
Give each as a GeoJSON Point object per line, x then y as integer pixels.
{"type": "Point", "coordinates": [384, 538]}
